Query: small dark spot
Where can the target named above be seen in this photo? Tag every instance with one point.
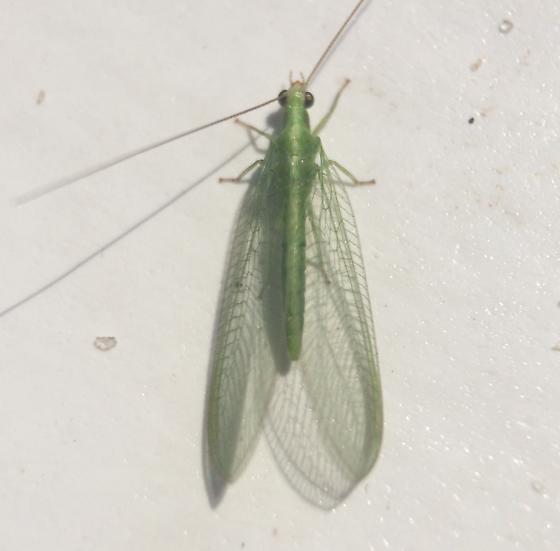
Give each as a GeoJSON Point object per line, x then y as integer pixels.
{"type": "Point", "coordinates": [105, 343]}
{"type": "Point", "coordinates": [505, 26]}
{"type": "Point", "coordinates": [40, 98]}
{"type": "Point", "coordinates": [475, 66]}
{"type": "Point", "coordinates": [471, 120]}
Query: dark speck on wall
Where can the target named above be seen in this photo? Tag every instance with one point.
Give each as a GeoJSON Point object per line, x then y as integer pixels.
{"type": "Point", "coordinates": [505, 26]}
{"type": "Point", "coordinates": [40, 98]}
{"type": "Point", "coordinates": [105, 343]}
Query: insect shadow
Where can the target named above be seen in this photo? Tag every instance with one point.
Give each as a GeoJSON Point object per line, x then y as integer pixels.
{"type": "Point", "coordinates": [119, 237]}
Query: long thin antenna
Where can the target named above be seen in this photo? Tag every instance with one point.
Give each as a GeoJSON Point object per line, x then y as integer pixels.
{"type": "Point", "coordinates": [334, 40]}
{"type": "Point", "coordinates": [57, 184]}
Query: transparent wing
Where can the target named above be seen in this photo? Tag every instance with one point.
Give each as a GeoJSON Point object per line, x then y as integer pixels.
{"type": "Point", "coordinates": [325, 419]}
{"type": "Point", "coordinates": [244, 357]}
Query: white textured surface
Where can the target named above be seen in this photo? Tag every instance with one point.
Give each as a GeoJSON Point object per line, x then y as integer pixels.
{"type": "Point", "coordinates": [102, 450]}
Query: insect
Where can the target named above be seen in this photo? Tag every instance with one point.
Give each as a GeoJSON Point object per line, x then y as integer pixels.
{"type": "Point", "coordinates": [294, 350]}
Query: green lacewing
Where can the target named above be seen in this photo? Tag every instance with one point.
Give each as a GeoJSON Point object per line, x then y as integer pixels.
{"type": "Point", "coordinates": [294, 351]}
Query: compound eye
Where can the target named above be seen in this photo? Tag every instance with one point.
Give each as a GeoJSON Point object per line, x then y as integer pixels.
{"type": "Point", "coordinates": [283, 98]}
{"type": "Point", "coordinates": [309, 99]}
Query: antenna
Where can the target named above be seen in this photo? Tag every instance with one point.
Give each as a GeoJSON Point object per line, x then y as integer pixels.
{"type": "Point", "coordinates": [57, 184]}
{"type": "Point", "coordinates": [86, 173]}
{"type": "Point", "coordinates": [333, 41]}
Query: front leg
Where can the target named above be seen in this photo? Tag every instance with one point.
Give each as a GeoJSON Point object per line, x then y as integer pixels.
{"type": "Point", "coordinates": [325, 119]}
{"type": "Point", "coordinates": [239, 178]}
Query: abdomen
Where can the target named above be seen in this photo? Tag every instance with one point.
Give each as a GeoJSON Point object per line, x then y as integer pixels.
{"type": "Point", "coordinates": [299, 185]}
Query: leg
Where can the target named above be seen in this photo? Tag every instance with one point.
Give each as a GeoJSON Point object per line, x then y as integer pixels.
{"type": "Point", "coordinates": [253, 129]}
{"type": "Point", "coordinates": [325, 119]}
{"type": "Point", "coordinates": [353, 180]}
{"type": "Point", "coordinates": [252, 166]}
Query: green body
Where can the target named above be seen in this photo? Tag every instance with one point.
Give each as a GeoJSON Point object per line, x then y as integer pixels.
{"type": "Point", "coordinates": [297, 150]}
{"type": "Point", "coordinates": [294, 347]}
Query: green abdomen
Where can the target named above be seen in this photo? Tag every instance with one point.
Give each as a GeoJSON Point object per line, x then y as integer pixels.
{"type": "Point", "coordinates": [294, 274]}
{"type": "Point", "coordinates": [301, 175]}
